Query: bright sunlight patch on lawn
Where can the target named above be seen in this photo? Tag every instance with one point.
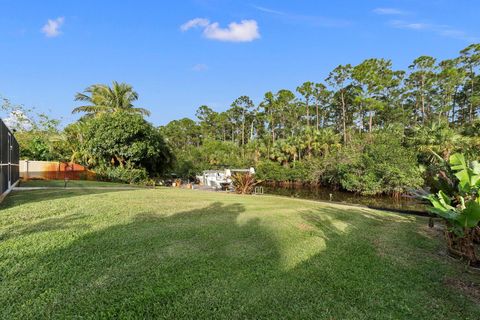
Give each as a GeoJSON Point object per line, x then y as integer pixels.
{"type": "Point", "coordinates": [169, 253]}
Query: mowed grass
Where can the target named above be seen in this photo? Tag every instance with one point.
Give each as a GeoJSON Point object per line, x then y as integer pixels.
{"type": "Point", "coordinates": [70, 183]}
{"type": "Point", "coordinates": [168, 253]}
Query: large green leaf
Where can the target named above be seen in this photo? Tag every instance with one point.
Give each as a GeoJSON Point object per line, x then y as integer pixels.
{"type": "Point", "coordinates": [457, 162]}
{"type": "Point", "coordinates": [470, 217]}
{"type": "Point", "coordinates": [444, 199]}
{"type": "Point", "coordinates": [468, 175]}
{"type": "Point", "coordinates": [441, 206]}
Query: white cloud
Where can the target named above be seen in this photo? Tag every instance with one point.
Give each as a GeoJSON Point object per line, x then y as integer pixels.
{"type": "Point", "coordinates": [312, 20]}
{"type": "Point", "coordinates": [244, 31]}
{"type": "Point", "coordinates": [268, 10]}
{"type": "Point", "coordinates": [197, 22]}
{"type": "Point", "coordinates": [439, 29]}
{"type": "Point", "coordinates": [52, 27]}
{"type": "Point", "coordinates": [410, 25]}
{"type": "Point", "coordinates": [389, 11]}
{"type": "Point", "coordinates": [200, 67]}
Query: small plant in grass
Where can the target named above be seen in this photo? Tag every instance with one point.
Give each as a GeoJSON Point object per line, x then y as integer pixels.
{"type": "Point", "coordinates": [459, 206]}
{"type": "Point", "coordinates": [150, 183]}
{"type": "Point", "coordinates": [244, 183]}
{"type": "Point", "coordinates": [177, 183]}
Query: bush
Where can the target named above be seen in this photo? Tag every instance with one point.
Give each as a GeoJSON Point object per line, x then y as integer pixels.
{"type": "Point", "coordinates": [244, 183]}
{"type": "Point", "coordinates": [274, 171]}
{"type": "Point", "coordinates": [383, 165]}
{"type": "Point", "coordinates": [121, 174]}
{"type": "Point", "coordinates": [120, 139]}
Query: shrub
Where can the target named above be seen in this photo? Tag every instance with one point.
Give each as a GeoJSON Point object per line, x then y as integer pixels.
{"type": "Point", "coordinates": [121, 174]}
{"type": "Point", "coordinates": [383, 165]}
{"type": "Point", "coordinates": [125, 140]}
{"type": "Point", "coordinates": [274, 171]}
{"type": "Point", "coordinates": [269, 170]}
{"type": "Point", "coordinates": [244, 183]}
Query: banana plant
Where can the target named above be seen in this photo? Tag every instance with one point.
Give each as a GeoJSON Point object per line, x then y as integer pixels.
{"type": "Point", "coordinates": [466, 214]}
{"type": "Point", "coordinates": [461, 209]}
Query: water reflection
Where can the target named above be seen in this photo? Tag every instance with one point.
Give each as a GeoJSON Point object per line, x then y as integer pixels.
{"type": "Point", "coordinates": [402, 204]}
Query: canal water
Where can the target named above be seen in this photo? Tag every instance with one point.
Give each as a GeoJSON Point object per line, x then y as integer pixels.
{"type": "Point", "coordinates": [402, 204]}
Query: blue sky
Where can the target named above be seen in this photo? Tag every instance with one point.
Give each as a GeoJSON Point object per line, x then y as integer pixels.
{"type": "Point", "coordinates": [181, 54]}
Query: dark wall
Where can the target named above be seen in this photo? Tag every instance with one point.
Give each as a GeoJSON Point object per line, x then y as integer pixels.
{"type": "Point", "coordinates": [9, 158]}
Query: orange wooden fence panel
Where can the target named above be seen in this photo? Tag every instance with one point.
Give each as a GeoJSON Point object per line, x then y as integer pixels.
{"type": "Point", "coordinates": [54, 170]}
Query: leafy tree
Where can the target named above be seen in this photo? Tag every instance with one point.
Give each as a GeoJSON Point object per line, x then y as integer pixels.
{"type": "Point", "coordinates": [340, 78]}
{"type": "Point", "coordinates": [181, 134]}
{"type": "Point", "coordinates": [470, 58]}
{"type": "Point", "coordinates": [240, 109]}
{"type": "Point", "coordinates": [102, 98]}
{"type": "Point", "coordinates": [307, 90]}
{"type": "Point", "coordinates": [374, 77]}
{"type": "Point", "coordinates": [126, 140]}
{"type": "Point", "coordinates": [422, 82]}
{"type": "Point", "coordinates": [208, 121]}
{"type": "Point", "coordinates": [323, 99]}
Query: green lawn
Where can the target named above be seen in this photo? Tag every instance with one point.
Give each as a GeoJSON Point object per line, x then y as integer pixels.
{"type": "Point", "coordinates": [70, 183]}
{"type": "Point", "coordinates": [169, 253]}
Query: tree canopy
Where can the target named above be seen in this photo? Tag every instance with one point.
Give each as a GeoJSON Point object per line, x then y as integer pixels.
{"type": "Point", "coordinates": [102, 98]}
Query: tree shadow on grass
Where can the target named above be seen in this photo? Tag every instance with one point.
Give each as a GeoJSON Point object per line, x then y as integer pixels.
{"type": "Point", "coordinates": [16, 198]}
{"type": "Point", "coordinates": [204, 264]}
{"type": "Point", "coordinates": [46, 225]}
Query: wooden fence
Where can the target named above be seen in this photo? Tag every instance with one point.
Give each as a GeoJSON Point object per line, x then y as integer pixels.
{"type": "Point", "coordinates": [53, 170]}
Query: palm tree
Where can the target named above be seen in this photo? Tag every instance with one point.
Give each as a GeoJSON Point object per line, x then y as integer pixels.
{"type": "Point", "coordinates": [103, 98]}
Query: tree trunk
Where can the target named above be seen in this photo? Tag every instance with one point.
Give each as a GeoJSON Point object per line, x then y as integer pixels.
{"type": "Point", "coordinates": [273, 132]}
{"type": "Point", "coordinates": [251, 130]}
{"type": "Point", "coordinates": [423, 100]}
{"type": "Point", "coordinates": [243, 128]}
{"type": "Point", "coordinates": [308, 113]}
{"type": "Point", "coordinates": [318, 118]}
{"type": "Point", "coordinates": [370, 122]}
{"type": "Point", "coordinates": [453, 105]}
{"type": "Point", "coordinates": [344, 120]}
{"type": "Point", "coordinates": [471, 95]}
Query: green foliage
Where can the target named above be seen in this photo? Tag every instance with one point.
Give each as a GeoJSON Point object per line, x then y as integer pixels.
{"type": "Point", "coordinates": [274, 171]}
{"type": "Point", "coordinates": [244, 183]}
{"type": "Point", "coordinates": [460, 209]}
{"type": "Point", "coordinates": [368, 128]}
{"type": "Point", "coordinates": [104, 99]}
{"type": "Point", "coordinates": [127, 174]}
{"type": "Point", "coordinates": [468, 174]}
{"type": "Point", "coordinates": [34, 147]}
{"type": "Point", "coordinates": [121, 139]}
{"type": "Point", "coordinates": [383, 165]}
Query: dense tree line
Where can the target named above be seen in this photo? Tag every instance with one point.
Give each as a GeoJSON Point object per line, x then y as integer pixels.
{"type": "Point", "coordinates": [366, 128]}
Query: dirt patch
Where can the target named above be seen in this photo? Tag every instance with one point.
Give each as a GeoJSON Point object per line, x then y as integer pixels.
{"type": "Point", "coordinates": [468, 288]}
